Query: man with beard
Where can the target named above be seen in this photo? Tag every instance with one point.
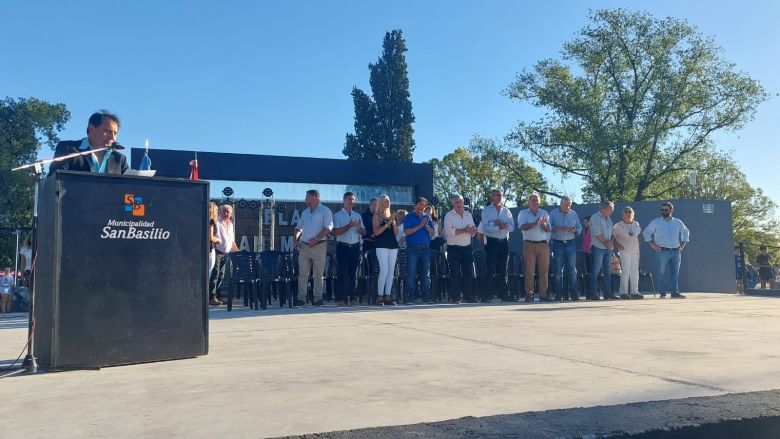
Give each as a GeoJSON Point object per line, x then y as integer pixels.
{"type": "Point", "coordinates": [667, 236]}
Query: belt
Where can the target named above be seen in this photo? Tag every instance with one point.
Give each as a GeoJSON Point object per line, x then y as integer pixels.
{"type": "Point", "coordinates": [416, 245]}
{"type": "Point", "coordinates": [563, 241]}
{"type": "Point", "coordinates": [344, 244]}
{"type": "Point", "coordinates": [497, 239]}
{"type": "Point", "coordinates": [670, 249]}
{"type": "Point", "coordinates": [535, 242]}
{"type": "Point", "coordinates": [316, 243]}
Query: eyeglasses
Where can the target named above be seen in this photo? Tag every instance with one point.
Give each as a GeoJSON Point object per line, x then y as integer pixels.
{"type": "Point", "coordinates": [665, 210]}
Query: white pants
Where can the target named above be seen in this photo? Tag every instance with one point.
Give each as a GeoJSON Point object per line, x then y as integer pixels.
{"type": "Point", "coordinates": [629, 277]}
{"type": "Point", "coordinates": [386, 258]}
{"type": "Point", "coordinates": [212, 260]}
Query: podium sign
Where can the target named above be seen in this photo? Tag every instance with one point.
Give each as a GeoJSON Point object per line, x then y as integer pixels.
{"type": "Point", "coordinates": [122, 266]}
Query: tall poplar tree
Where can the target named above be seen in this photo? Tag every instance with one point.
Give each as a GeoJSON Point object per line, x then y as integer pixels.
{"type": "Point", "coordinates": [383, 121]}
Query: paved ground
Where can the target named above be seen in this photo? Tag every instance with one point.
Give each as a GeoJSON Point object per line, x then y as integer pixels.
{"type": "Point", "coordinates": [275, 373]}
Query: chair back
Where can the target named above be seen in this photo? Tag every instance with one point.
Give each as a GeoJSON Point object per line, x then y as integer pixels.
{"type": "Point", "coordinates": [480, 265]}
{"type": "Point", "coordinates": [241, 266]}
{"type": "Point", "coordinates": [270, 265]}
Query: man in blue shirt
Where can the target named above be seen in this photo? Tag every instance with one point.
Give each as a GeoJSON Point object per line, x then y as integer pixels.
{"type": "Point", "coordinates": [565, 227]}
{"type": "Point", "coordinates": [667, 236]}
{"type": "Point", "coordinates": [418, 228]}
{"type": "Point", "coordinates": [497, 223]}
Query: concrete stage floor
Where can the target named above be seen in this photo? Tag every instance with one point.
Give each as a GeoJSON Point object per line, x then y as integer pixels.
{"type": "Point", "coordinates": [288, 372]}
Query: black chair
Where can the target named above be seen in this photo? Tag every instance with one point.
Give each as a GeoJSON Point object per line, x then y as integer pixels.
{"type": "Point", "coordinates": [400, 272]}
{"type": "Point", "coordinates": [439, 275]}
{"type": "Point", "coordinates": [483, 283]}
{"type": "Point", "coordinates": [272, 276]}
{"type": "Point", "coordinates": [515, 275]}
{"type": "Point", "coordinates": [242, 274]}
{"type": "Point", "coordinates": [368, 275]}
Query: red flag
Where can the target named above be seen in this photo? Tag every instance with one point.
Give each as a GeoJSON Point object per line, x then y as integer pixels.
{"type": "Point", "coordinates": [194, 169]}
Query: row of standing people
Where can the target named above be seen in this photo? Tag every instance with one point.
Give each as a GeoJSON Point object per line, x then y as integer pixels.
{"type": "Point", "coordinates": [380, 229]}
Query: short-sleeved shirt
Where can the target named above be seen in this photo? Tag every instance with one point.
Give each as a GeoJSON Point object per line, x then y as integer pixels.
{"type": "Point", "coordinates": [421, 236]}
{"type": "Point", "coordinates": [627, 236]}
{"type": "Point", "coordinates": [341, 219]}
{"type": "Point", "coordinates": [312, 222]}
{"type": "Point", "coordinates": [535, 233]}
{"type": "Point", "coordinates": [568, 220]}
{"type": "Point", "coordinates": [600, 226]}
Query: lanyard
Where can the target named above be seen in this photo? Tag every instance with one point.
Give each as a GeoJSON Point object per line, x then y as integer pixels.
{"type": "Point", "coordinates": [102, 167]}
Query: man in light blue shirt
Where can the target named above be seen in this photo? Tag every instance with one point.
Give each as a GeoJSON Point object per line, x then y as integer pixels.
{"type": "Point", "coordinates": [667, 236]}
{"type": "Point", "coordinates": [497, 223]}
{"type": "Point", "coordinates": [566, 226]}
{"type": "Point", "coordinates": [311, 235]}
{"type": "Point", "coordinates": [601, 247]}
{"type": "Point", "coordinates": [535, 225]}
{"type": "Point", "coordinates": [348, 228]}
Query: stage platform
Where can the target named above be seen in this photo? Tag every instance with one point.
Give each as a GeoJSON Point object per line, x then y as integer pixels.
{"type": "Point", "coordinates": [291, 372]}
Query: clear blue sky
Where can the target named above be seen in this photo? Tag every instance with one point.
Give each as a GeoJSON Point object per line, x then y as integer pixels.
{"type": "Point", "coordinates": [275, 77]}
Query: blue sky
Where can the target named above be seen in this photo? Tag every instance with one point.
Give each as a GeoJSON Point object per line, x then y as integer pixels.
{"type": "Point", "coordinates": [275, 77]}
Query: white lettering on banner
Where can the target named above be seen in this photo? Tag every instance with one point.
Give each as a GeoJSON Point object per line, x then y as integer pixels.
{"type": "Point", "coordinates": [281, 221]}
{"type": "Point", "coordinates": [267, 216]}
{"type": "Point", "coordinates": [244, 246]}
{"type": "Point", "coordinates": [296, 216]}
{"type": "Point", "coordinates": [287, 243]}
{"type": "Point", "coordinates": [122, 229]}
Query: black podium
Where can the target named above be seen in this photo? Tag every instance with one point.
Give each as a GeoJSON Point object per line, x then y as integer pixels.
{"type": "Point", "coordinates": [121, 271]}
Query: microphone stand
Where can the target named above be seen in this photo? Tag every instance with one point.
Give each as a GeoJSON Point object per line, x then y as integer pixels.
{"type": "Point", "coordinates": [30, 364]}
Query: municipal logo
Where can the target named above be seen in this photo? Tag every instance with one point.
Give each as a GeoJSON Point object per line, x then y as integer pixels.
{"type": "Point", "coordinates": [135, 205]}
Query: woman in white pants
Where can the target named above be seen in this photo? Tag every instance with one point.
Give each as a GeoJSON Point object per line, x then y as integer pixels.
{"type": "Point", "coordinates": [627, 237]}
{"type": "Point", "coordinates": [386, 244]}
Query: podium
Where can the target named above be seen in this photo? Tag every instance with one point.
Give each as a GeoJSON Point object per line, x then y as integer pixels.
{"type": "Point", "coordinates": [121, 275]}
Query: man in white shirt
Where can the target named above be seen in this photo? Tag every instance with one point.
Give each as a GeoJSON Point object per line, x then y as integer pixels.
{"type": "Point", "coordinates": [534, 223]}
{"type": "Point", "coordinates": [459, 228]}
{"type": "Point", "coordinates": [497, 223]}
{"type": "Point", "coordinates": [227, 235]}
{"type": "Point", "coordinates": [626, 234]}
{"type": "Point", "coordinates": [348, 228]}
{"type": "Point", "coordinates": [311, 236]}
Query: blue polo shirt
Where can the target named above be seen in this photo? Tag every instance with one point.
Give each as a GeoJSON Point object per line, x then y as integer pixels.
{"type": "Point", "coordinates": [421, 236]}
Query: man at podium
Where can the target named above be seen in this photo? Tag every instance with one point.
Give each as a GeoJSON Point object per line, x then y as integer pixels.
{"type": "Point", "coordinates": [102, 130]}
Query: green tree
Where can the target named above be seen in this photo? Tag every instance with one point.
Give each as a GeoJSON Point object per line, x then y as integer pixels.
{"type": "Point", "coordinates": [474, 176]}
{"type": "Point", "coordinates": [25, 126]}
{"type": "Point", "coordinates": [383, 123]}
{"type": "Point", "coordinates": [754, 215]}
{"type": "Point", "coordinates": [633, 102]}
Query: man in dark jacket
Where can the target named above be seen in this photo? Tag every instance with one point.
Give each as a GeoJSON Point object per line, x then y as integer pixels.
{"type": "Point", "coordinates": [102, 130]}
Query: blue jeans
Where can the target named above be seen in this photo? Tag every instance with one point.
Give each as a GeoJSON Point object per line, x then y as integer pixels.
{"type": "Point", "coordinates": [418, 254]}
{"type": "Point", "coordinates": [668, 264]}
{"type": "Point", "coordinates": [601, 258]}
{"type": "Point", "coordinates": [565, 252]}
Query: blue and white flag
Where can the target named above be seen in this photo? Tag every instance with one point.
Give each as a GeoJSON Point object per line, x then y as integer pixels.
{"type": "Point", "coordinates": [146, 162]}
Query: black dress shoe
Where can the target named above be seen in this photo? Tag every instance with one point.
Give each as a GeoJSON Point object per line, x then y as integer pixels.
{"type": "Point", "coordinates": [662, 296]}
{"type": "Point", "coordinates": [575, 298]}
{"type": "Point", "coordinates": [545, 299]}
{"type": "Point", "coordinates": [677, 296]}
{"type": "Point", "coordinates": [299, 302]}
{"type": "Point", "coordinates": [611, 298]}
{"type": "Point", "coordinates": [529, 298]}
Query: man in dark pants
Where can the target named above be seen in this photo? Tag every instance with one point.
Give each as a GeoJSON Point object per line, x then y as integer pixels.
{"type": "Point", "coordinates": [347, 227]}
{"type": "Point", "coordinates": [497, 223]}
{"type": "Point", "coordinates": [227, 235]}
{"type": "Point", "coordinates": [459, 228]}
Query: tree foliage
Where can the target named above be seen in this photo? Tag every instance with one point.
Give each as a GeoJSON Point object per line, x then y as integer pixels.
{"type": "Point", "coordinates": [633, 102]}
{"type": "Point", "coordinates": [474, 175]}
{"type": "Point", "coordinates": [383, 122]}
{"type": "Point", "coordinates": [25, 126]}
{"type": "Point", "coordinates": [754, 217]}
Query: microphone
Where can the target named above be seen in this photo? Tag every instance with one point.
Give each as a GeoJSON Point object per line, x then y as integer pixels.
{"type": "Point", "coordinates": [117, 146]}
